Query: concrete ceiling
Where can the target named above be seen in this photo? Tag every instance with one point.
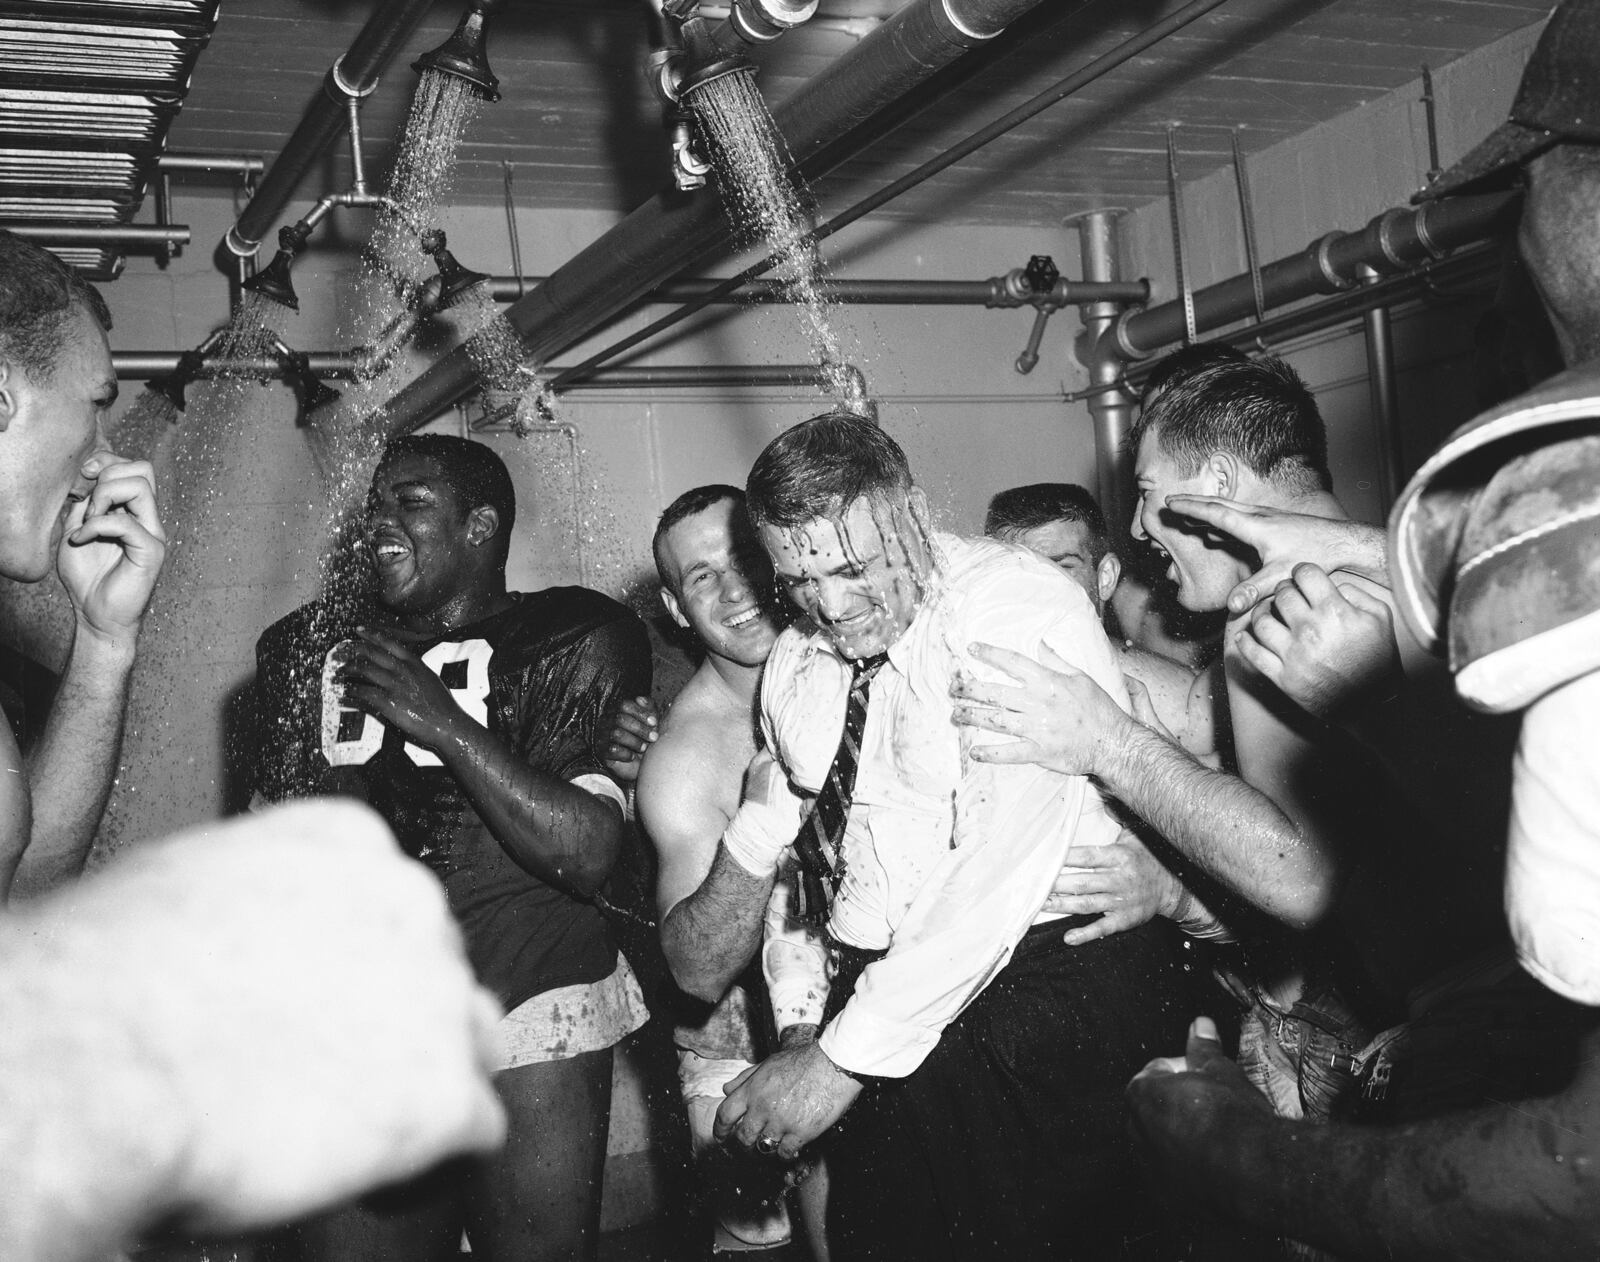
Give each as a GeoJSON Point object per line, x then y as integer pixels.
{"type": "Point", "coordinates": [580, 128]}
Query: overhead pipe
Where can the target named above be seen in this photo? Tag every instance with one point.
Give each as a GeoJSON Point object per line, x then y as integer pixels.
{"type": "Point", "coordinates": [249, 164]}
{"type": "Point", "coordinates": [119, 235]}
{"type": "Point", "coordinates": [345, 365]}
{"type": "Point", "coordinates": [887, 120]}
{"type": "Point", "coordinates": [353, 76]}
{"type": "Point", "coordinates": [671, 232]}
{"type": "Point", "coordinates": [996, 291]}
{"type": "Point", "coordinates": [1400, 238]}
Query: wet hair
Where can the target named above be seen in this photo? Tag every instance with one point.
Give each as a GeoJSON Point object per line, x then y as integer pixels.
{"type": "Point", "coordinates": [473, 471]}
{"type": "Point", "coordinates": [822, 466]}
{"type": "Point", "coordinates": [1258, 410]}
{"type": "Point", "coordinates": [1024, 508]}
{"type": "Point", "coordinates": [1188, 359]}
{"type": "Point", "coordinates": [39, 295]}
{"type": "Point", "coordinates": [693, 501]}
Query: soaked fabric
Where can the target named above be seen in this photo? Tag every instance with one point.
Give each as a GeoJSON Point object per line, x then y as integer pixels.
{"type": "Point", "coordinates": [541, 675]}
{"type": "Point", "coordinates": [571, 1020]}
{"type": "Point", "coordinates": [949, 858]}
{"type": "Point", "coordinates": [1012, 1140]}
{"type": "Point", "coordinates": [1553, 852]}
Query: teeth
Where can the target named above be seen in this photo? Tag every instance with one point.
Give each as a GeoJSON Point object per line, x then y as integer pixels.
{"type": "Point", "coordinates": [739, 620]}
{"type": "Point", "coordinates": [388, 551]}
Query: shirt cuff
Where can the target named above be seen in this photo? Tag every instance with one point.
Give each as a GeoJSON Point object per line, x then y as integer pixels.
{"type": "Point", "coordinates": [860, 1043]}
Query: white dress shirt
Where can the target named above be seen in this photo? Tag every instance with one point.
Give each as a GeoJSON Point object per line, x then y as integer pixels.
{"type": "Point", "coordinates": [948, 861]}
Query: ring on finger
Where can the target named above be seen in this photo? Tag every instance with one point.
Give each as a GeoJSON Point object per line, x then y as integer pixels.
{"type": "Point", "coordinates": [767, 1143]}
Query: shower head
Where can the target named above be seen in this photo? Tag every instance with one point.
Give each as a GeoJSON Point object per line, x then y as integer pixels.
{"type": "Point", "coordinates": [314, 393]}
{"type": "Point", "coordinates": [272, 282]}
{"type": "Point", "coordinates": [707, 58]}
{"type": "Point", "coordinates": [464, 54]}
{"type": "Point", "coordinates": [454, 280]}
{"type": "Point", "coordinates": [172, 385]}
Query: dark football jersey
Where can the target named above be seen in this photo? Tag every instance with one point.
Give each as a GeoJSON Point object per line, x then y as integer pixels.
{"type": "Point", "coordinates": [542, 675]}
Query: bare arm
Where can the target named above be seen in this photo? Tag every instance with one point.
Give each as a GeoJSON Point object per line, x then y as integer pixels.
{"type": "Point", "coordinates": [711, 909]}
{"type": "Point", "coordinates": [1239, 836]}
{"type": "Point", "coordinates": [1514, 1180]}
{"type": "Point", "coordinates": [109, 560]}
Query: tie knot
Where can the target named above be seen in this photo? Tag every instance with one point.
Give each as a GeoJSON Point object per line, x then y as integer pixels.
{"type": "Point", "coordinates": [862, 669]}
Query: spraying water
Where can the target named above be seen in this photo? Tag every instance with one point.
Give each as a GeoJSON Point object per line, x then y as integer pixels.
{"type": "Point", "coordinates": [765, 203]}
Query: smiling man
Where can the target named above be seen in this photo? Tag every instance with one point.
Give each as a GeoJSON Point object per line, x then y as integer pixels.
{"type": "Point", "coordinates": [931, 876]}
{"type": "Point", "coordinates": [67, 504]}
{"type": "Point", "coordinates": [716, 584]}
{"type": "Point", "coordinates": [469, 716]}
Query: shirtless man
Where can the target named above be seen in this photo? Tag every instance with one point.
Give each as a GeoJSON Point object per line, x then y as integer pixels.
{"type": "Point", "coordinates": [712, 577]}
{"type": "Point", "coordinates": [69, 505]}
{"type": "Point", "coordinates": [1062, 523]}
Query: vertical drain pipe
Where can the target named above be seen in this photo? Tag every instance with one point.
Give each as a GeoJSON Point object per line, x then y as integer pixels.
{"type": "Point", "coordinates": [1385, 394]}
{"type": "Point", "coordinates": [1110, 405]}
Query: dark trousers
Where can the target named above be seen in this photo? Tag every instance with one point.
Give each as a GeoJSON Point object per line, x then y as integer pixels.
{"type": "Point", "coordinates": [1012, 1139]}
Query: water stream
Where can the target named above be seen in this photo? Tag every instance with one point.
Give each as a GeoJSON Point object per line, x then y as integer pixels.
{"type": "Point", "coordinates": [765, 203]}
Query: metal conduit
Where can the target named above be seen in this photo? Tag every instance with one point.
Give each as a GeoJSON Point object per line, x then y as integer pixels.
{"type": "Point", "coordinates": [671, 232]}
{"type": "Point", "coordinates": [111, 234]}
{"type": "Point", "coordinates": [336, 365]}
{"type": "Point", "coordinates": [949, 293]}
{"type": "Point", "coordinates": [1398, 239]}
{"type": "Point", "coordinates": [351, 77]}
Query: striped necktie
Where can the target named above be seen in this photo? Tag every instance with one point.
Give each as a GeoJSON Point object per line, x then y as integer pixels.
{"type": "Point", "coordinates": [820, 843]}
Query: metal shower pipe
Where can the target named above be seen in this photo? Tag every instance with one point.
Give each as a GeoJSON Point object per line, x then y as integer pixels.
{"type": "Point", "coordinates": [351, 77]}
{"type": "Point", "coordinates": [992, 292]}
{"type": "Point", "coordinates": [343, 365]}
{"type": "Point", "coordinates": [671, 232]}
{"type": "Point", "coordinates": [110, 234]}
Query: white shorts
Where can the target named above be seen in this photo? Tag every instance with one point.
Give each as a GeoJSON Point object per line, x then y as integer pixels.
{"type": "Point", "coordinates": [572, 1020]}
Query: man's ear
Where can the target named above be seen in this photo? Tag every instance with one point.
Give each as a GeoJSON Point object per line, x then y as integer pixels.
{"type": "Point", "coordinates": [673, 611]}
{"type": "Point", "coordinates": [483, 524]}
{"type": "Point", "coordinates": [1226, 473]}
{"type": "Point", "coordinates": [1107, 575]}
{"type": "Point", "coordinates": [9, 402]}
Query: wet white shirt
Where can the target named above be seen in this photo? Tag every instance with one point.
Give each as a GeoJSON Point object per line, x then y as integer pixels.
{"type": "Point", "coordinates": [947, 860]}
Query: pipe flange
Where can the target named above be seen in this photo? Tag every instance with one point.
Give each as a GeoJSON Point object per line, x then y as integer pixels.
{"type": "Point", "coordinates": [1388, 223]}
{"type": "Point", "coordinates": [1322, 254]}
{"type": "Point", "coordinates": [1419, 225]}
{"type": "Point", "coordinates": [336, 77]}
{"type": "Point", "coordinates": [961, 26]}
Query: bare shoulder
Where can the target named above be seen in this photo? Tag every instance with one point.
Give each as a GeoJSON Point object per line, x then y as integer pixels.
{"type": "Point", "coordinates": [694, 772]}
{"type": "Point", "coordinates": [1183, 699]}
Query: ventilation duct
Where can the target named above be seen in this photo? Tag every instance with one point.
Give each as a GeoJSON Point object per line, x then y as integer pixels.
{"type": "Point", "coordinates": [88, 89]}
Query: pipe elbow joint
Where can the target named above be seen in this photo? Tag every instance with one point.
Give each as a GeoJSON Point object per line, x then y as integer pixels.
{"type": "Point", "coordinates": [239, 244]}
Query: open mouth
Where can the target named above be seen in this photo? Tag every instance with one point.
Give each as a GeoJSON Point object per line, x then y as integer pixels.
{"type": "Point", "coordinates": [743, 619]}
{"type": "Point", "coordinates": [388, 552]}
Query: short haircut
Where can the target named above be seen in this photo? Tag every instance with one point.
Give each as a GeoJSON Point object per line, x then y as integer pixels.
{"type": "Point", "coordinates": [1188, 359]}
{"type": "Point", "coordinates": [1258, 410]}
{"type": "Point", "coordinates": [39, 295]}
{"type": "Point", "coordinates": [822, 466]}
{"type": "Point", "coordinates": [472, 470]}
{"type": "Point", "coordinates": [1024, 508]}
{"type": "Point", "coordinates": [695, 500]}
